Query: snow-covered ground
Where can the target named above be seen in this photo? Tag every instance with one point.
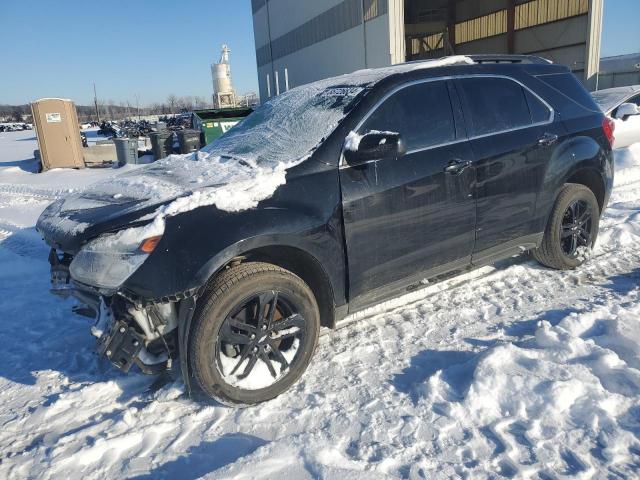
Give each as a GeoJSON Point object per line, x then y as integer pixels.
{"type": "Point", "coordinates": [509, 371]}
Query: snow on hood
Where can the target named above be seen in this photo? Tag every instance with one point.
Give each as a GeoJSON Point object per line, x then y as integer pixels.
{"type": "Point", "coordinates": [247, 164]}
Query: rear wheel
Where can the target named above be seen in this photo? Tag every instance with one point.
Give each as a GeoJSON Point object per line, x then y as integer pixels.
{"type": "Point", "coordinates": [572, 229]}
{"type": "Point", "coordinates": [254, 333]}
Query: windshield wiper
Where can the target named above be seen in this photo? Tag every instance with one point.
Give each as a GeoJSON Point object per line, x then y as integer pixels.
{"type": "Point", "coordinates": [242, 160]}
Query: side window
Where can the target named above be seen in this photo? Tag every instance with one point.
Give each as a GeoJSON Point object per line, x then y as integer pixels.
{"type": "Point", "coordinates": [635, 100]}
{"type": "Point", "coordinates": [569, 86]}
{"type": "Point", "coordinates": [421, 113]}
{"type": "Point", "coordinates": [539, 111]}
{"type": "Point", "coordinates": [495, 104]}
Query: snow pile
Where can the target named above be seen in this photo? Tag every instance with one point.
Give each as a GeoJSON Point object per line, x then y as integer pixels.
{"type": "Point", "coordinates": [571, 393]}
{"type": "Point", "coordinates": [619, 228]}
{"type": "Point", "coordinates": [352, 142]}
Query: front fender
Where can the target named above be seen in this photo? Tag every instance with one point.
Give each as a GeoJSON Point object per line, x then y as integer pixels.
{"type": "Point", "coordinates": [304, 214]}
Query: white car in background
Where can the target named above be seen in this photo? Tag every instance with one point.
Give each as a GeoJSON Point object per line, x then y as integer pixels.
{"type": "Point", "coordinates": [622, 104]}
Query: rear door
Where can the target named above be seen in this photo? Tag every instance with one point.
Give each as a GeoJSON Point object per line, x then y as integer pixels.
{"type": "Point", "coordinates": [407, 215]}
{"type": "Point", "coordinates": [512, 135]}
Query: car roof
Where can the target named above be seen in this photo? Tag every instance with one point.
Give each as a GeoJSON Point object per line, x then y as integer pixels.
{"type": "Point", "coordinates": [440, 67]}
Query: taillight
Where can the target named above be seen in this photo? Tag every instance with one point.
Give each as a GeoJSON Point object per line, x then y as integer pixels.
{"type": "Point", "coordinates": [608, 126]}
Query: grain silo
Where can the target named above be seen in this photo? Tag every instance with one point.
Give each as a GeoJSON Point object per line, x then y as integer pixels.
{"type": "Point", "coordinates": [223, 94]}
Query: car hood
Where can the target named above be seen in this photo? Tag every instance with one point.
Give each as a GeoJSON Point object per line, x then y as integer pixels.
{"type": "Point", "coordinates": [167, 187]}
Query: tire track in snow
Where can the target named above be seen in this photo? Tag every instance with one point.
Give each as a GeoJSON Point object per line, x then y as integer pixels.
{"type": "Point", "coordinates": [25, 242]}
{"type": "Point", "coordinates": [33, 192]}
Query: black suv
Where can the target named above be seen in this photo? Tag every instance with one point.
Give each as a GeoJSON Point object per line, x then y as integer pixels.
{"type": "Point", "coordinates": [330, 198]}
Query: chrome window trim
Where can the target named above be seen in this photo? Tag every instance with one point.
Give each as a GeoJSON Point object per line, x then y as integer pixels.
{"type": "Point", "coordinates": [551, 119]}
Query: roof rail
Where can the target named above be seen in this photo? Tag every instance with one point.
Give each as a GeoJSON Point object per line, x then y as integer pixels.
{"type": "Point", "coordinates": [524, 59]}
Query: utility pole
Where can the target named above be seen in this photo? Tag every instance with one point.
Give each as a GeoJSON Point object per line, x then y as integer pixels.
{"type": "Point", "coordinates": [137, 105]}
{"type": "Point", "coordinates": [95, 101]}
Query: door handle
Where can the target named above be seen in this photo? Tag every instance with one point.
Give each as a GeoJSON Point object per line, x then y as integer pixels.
{"type": "Point", "coordinates": [456, 166]}
{"type": "Point", "coordinates": [547, 139]}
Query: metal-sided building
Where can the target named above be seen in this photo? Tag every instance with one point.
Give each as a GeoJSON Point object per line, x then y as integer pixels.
{"type": "Point", "coordinates": [619, 71]}
{"type": "Point", "coordinates": [299, 41]}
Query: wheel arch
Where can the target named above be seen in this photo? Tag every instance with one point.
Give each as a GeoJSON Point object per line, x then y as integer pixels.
{"type": "Point", "coordinates": [592, 179]}
{"type": "Point", "coordinates": [290, 256]}
{"type": "Point", "coordinates": [579, 159]}
{"type": "Point", "coordinates": [305, 266]}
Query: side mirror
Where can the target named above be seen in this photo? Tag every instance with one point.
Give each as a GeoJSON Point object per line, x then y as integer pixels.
{"type": "Point", "coordinates": [373, 145]}
{"type": "Point", "coordinates": [625, 110]}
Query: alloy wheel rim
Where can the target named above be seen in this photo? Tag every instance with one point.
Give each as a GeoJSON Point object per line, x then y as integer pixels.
{"type": "Point", "coordinates": [575, 230]}
{"type": "Point", "coordinates": [260, 341]}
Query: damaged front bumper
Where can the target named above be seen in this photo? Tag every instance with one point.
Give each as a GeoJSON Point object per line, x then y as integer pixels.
{"type": "Point", "coordinates": [127, 333]}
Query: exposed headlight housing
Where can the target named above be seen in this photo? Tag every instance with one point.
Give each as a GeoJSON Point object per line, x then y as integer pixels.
{"type": "Point", "coordinates": [109, 260]}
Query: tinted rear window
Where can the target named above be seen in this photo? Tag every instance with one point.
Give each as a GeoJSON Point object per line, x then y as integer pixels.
{"type": "Point", "coordinates": [495, 104]}
{"type": "Point", "coordinates": [569, 86]}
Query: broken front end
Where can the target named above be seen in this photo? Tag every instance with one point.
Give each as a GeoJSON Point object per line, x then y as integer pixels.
{"type": "Point", "coordinates": [128, 331]}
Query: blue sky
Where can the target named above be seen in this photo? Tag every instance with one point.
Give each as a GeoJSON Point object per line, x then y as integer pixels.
{"type": "Point", "coordinates": [153, 48]}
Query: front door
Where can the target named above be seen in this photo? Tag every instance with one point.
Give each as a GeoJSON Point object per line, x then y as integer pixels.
{"type": "Point", "coordinates": [407, 216]}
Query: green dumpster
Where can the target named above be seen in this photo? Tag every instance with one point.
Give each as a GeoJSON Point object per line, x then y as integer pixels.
{"type": "Point", "coordinates": [214, 122]}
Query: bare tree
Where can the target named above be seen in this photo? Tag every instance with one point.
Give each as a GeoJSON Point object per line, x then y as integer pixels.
{"type": "Point", "coordinates": [200, 103]}
{"type": "Point", "coordinates": [16, 114]}
{"type": "Point", "coordinates": [172, 101]}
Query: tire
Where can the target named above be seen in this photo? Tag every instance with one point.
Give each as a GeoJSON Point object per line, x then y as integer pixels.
{"type": "Point", "coordinates": [552, 252]}
{"type": "Point", "coordinates": [215, 321]}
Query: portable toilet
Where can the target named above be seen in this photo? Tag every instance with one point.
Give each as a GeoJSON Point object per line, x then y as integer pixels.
{"type": "Point", "coordinates": [56, 124]}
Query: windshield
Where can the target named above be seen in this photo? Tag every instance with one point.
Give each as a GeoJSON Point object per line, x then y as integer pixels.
{"type": "Point", "coordinates": [288, 127]}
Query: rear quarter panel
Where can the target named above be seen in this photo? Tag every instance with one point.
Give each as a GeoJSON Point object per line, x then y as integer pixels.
{"type": "Point", "coordinates": [583, 147]}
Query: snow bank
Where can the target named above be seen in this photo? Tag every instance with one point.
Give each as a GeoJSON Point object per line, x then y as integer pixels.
{"type": "Point", "coordinates": [572, 393]}
{"type": "Point", "coordinates": [618, 228]}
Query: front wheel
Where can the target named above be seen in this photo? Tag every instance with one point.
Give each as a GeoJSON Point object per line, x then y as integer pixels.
{"type": "Point", "coordinates": [254, 333]}
{"type": "Point", "coordinates": [572, 229]}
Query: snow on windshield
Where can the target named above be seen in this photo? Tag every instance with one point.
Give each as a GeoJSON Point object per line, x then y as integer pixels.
{"type": "Point", "coordinates": [288, 127]}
